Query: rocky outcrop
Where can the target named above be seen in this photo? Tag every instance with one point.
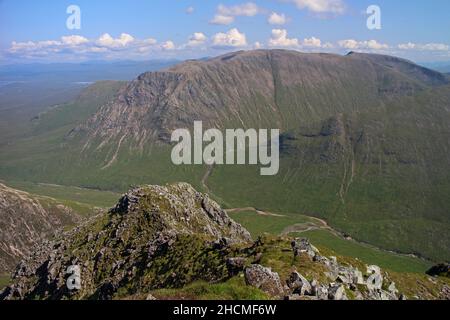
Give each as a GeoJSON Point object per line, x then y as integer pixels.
{"type": "Point", "coordinates": [155, 237]}
{"type": "Point", "coordinates": [341, 279]}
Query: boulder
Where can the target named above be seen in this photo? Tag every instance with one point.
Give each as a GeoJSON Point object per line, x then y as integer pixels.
{"type": "Point", "coordinates": [375, 280]}
{"type": "Point", "coordinates": [319, 291]}
{"type": "Point", "coordinates": [298, 284]}
{"type": "Point", "coordinates": [336, 292]}
{"type": "Point", "coordinates": [300, 246]}
{"type": "Point", "coordinates": [264, 279]}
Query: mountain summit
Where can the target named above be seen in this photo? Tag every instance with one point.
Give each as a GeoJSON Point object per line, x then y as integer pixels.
{"type": "Point", "coordinates": [252, 89]}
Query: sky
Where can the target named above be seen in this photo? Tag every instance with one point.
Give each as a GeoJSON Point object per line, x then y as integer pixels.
{"type": "Point", "coordinates": [86, 30]}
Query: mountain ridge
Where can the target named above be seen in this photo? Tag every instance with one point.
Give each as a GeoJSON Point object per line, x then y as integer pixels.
{"type": "Point", "coordinates": [174, 242]}
{"type": "Point", "coordinates": [226, 90]}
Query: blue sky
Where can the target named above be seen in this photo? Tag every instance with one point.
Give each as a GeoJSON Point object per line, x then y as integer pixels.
{"type": "Point", "coordinates": [35, 30]}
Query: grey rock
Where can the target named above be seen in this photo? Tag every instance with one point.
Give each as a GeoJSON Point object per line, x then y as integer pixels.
{"type": "Point", "coordinates": [337, 292]}
{"type": "Point", "coordinates": [321, 292]}
{"type": "Point", "coordinates": [299, 284]}
{"type": "Point", "coordinates": [264, 279]}
{"type": "Point", "coordinates": [300, 246]}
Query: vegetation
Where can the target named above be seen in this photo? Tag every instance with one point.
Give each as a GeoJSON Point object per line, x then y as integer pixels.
{"type": "Point", "coordinates": [72, 196]}
{"type": "Point", "coordinates": [233, 289]}
{"type": "Point", "coordinates": [299, 226]}
{"type": "Point", "coordinates": [4, 280]}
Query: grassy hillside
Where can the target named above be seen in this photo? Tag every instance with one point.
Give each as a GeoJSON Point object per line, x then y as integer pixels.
{"type": "Point", "coordinates": [320, 235]}
{"type": "Point", "coordinates": [72, 196]}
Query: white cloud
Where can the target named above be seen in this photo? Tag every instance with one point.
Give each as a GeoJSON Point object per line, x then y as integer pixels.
{"type": "Point", "coordinates": [109, 42]}
{"type": "Point", "coordinates": [248, 9]}
{"type": "Point", "coordinates": [198, 38]}
{"type": "Point", "coordinates": [312, 42]}
{"type": "Point", "coordinates": [279, 39]}
{"type": "Point", "coordinates": [321, 6]}
{"type": "Point", "coordinates": [77, 47]}
{"type": "Point", "coordinates": [424, 47]}
{"type": "Point", "coordinates": [352, 44]}
{"type": "Point", "coordinates": [74, 40]}
{"type": "Point", "coordinates": [168, 45]}
{"type": "Point", "coordinates": [149, 42]}
{"type": "Point", "coordinates": [407, 46]}
{"type": "Point", "coordinates": [190, 10]}
{"type": "Point", "coordinates": [226, 14]}
{"type": "Point", "coordinates": [277, 19]}
{"type": "Point", "coordinates": [232, 38]}
{"type": "Point", "coordinates": [257, 45]}
{"type": "Point", "coordinates": [222, 20]}
{"type": "Point", "coordinates": [32, 46]}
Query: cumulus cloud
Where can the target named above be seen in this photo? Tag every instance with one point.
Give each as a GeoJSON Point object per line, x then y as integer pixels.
{"type": "Point", "coordinates": [321, 6]}
{"type": "Point", "coordinates": [424, 47]}
{"type": "Point", "coordinates": [312, 42]}
{"type": "Point", "coordinates": [74, 40]}
{"type": "Point", "coordinates": [198, 38]}
{"type": "Point", "coordinates": [277, 19]}
{"type": "Point", "coordinates": [222, 20]}
{"type": "Point", "coordinates": [190, 10]}
{"type": "Point", "coordinates": [109, 42]}
{"type": "Point", "coordinates": [233, 38]}
{"type": "Point", "coordinates": [17, 47]}
{"type": "Point", "coordinates": [168, 45]}
{"type": "Point", "coordinates": [248, 9]}
{"type": "Point", "coordinates": [280, 38]}
{"type": "Point", "coordinates": [226, 14]}
{"type": "Point", "coordinates": [352, 44]}
{"type": "Point", "coordinates": [77, 47]}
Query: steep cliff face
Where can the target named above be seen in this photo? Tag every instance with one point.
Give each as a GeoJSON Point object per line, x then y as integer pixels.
{"type": "Point", "coordinates": [25, 221]}
{"type": "Point", "coordinates": [173, 242]}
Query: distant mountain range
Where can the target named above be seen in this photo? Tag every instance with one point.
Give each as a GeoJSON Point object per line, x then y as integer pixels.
{"type": "Point", "coordinates": [80, 72]}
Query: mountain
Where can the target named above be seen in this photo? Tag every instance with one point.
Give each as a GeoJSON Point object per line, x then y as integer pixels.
{"type": "Point", "coordinates": [364, 140]}
{"type": "Point", "coordinates": [256, 89]}
{"type": "Point", "coordinates": [174, 242]}
{"type": "Point", "coordinates": [25, 221]}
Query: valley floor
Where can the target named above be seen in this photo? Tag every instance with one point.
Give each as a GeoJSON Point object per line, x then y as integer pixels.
{"type": "Point", "coordinates": [322, 235]}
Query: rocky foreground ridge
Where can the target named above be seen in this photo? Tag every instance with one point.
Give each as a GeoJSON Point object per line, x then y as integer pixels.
{"type": "Point", "coordinates": [173, 242]}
